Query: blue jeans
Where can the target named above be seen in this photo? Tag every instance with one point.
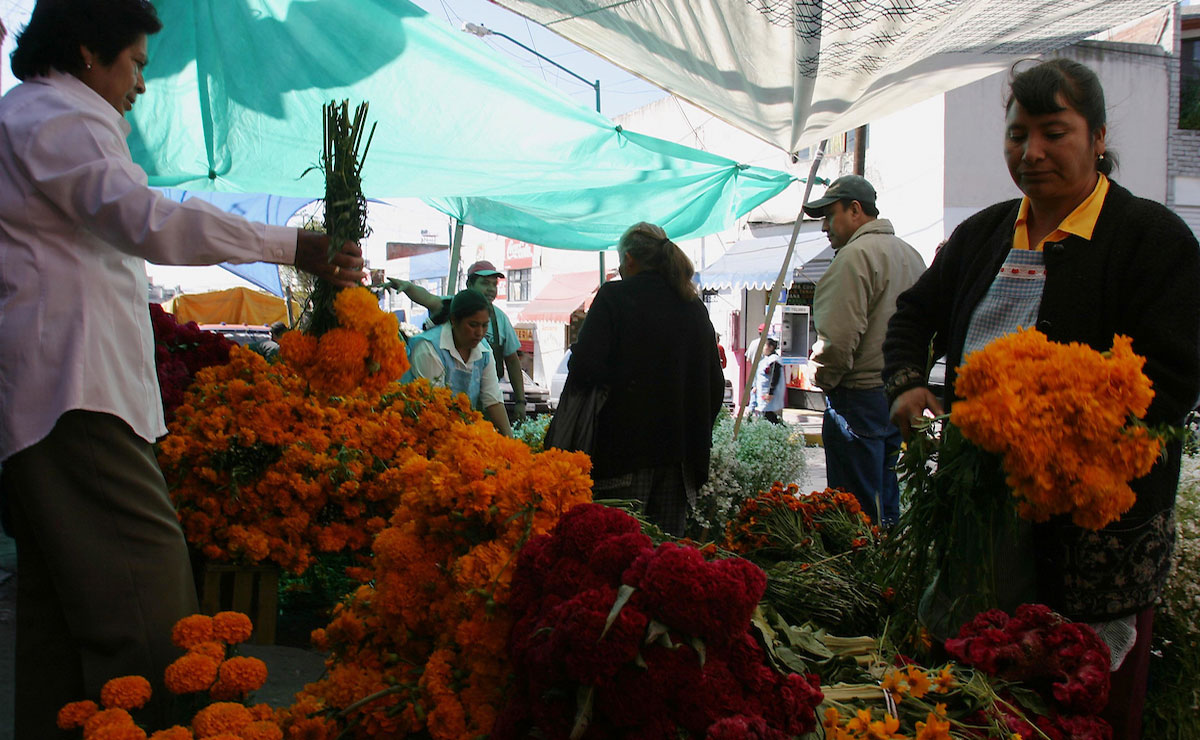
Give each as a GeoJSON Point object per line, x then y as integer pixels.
{"type": "Point", "coordinates": [861, 448]}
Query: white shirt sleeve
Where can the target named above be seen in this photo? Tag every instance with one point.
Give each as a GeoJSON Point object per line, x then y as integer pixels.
{"type": "Point", "coordinates": [489, 385]}
{"type": "Point", "coordinates": [96, 184]}
{"type": "Point", "coordinates": [427, 363]}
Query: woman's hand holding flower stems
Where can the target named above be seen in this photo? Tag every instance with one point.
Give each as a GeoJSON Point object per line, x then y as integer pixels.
{"type": "Point", "coordinates": [911, 406]}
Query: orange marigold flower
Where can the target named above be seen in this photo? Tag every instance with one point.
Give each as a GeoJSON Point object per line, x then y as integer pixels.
{"type": "Point", "coordinates": [75, 714]}
{"type": "Point", "coordinates": [192, 630]}
{"type": "Point", "coordinates": [106, 718]}
{"type": "Point", "coordinates": [221, 717]}
{"type": "Point", "coordinates": [297, 348]}
{"type": "Point", "coordinates": [191, 673]}
{"type": "Point", "coordinates": [126, 692]}
{"type": "Point", "coordinates": [120, 731]}
{"type": "Point", "coordinates": [213, 649]}
{"type": "Point", "coordinates": [231, 628]}
{"type": "Point", "coordinates": [262, 730]}
{"type": "Point", "coordinates": [173, 733]}
{"type": "Point", "coordinates": [239, 676]}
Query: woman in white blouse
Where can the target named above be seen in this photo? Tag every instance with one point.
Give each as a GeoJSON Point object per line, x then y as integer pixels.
{"type": "Point", "coordinates": [454, 355]}
{"type": "Point", "coordinates": [104, 570]}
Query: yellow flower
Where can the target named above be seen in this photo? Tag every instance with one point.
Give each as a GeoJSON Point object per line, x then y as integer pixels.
{"type": "Point", "coordinates": [918, 682]}
{"type": "Point", "coordinates": [944, 682]}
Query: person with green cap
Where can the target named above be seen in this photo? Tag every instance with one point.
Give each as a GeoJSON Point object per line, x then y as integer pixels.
{"type": "Point", "coordinates": [454, 355]}
{"type": "Point", "coordinates": [483, 278]}
{"type": "Point", "coordinates": [853, 302]}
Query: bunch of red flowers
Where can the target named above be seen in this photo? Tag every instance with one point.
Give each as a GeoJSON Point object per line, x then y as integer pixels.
{"type": "Point", "coordinates": [181, 351]}
{"type": "Point", "coordinates": [617, 637]}
{"type": "Point", "coordinates": [1063, 661]}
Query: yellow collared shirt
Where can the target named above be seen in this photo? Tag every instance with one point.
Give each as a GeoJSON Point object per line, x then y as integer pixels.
{"type": "Point", "coordinates": [1081, 221]}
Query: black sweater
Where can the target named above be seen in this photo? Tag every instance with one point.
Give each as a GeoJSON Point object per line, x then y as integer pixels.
{"type": "Point", "coordinates": [1138, 276]}
{"type": "Point", "coordinates": [658, 355]}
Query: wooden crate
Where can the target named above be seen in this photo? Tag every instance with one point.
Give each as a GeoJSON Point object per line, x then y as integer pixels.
{"type": "Point", "coordinates": [253, 590]}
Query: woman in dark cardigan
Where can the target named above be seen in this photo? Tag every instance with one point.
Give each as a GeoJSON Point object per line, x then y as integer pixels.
{"type": "Point", "coordinates": [648, 338]}
{"type": "Point", "coordinates": [1111, 263]}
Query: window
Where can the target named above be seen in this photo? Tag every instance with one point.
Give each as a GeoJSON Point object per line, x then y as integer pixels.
{"type": "Point", "coordinates": [1189, 84]}
{"type": "Point", "coordinates": [518, 285]}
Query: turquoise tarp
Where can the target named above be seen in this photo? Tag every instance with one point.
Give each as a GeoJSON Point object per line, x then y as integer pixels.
{"type": "Point", "coordinates": [234, 97]}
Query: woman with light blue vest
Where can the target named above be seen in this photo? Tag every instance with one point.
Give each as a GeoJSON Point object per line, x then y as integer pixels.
{"type": "Point", "coordinates": [454, 355]}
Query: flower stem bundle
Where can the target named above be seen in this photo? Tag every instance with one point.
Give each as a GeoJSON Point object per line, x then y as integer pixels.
{"type": "Point", "coordinates": [345, 205]}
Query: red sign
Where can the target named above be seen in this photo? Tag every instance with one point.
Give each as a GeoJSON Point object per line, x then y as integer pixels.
{"type": "Point", "coordinates": [517, 255]}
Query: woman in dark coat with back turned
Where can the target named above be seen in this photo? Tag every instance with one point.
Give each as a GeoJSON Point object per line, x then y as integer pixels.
{"type": "Point", "coordinates": [1092, 261]}
{"type": "Point", "coordinates": [648, 338]}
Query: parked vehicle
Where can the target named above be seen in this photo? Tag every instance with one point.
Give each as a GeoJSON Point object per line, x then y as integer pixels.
{"type": "Point", "coordinates": [558, 380]}
{"type": "Point", "coordinates": [243, 334]}
{"type": "Point", "coordinates": [537, 397]}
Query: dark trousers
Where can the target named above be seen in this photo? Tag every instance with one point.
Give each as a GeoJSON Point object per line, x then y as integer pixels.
{"type": "Point", "coordinates": [1127, 693]}
{"type": "Point", "coordinates": [102, 568]}
{"type": "Point", "coordinates": [861, 448]}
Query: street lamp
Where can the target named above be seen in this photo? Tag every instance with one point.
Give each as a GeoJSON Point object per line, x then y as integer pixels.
{"type": "Point", "coordinates": [480, 30]}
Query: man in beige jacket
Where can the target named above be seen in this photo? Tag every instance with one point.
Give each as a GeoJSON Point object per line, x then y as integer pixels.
{"type": "Point", "coordinates": [854, 301]}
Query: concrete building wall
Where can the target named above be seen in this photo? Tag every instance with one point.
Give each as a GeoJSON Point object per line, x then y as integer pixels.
{"type": "Point", "coordinates": [1137, 84]}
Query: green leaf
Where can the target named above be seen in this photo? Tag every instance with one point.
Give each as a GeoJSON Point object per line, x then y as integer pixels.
{"type": "Point", "coordinates": [1030, 700]}
{"type": "Point", "coordinates": [698, 645]}
{"type": "Point", "coordinates": [583, 710]}
{"type": "Point", "coordinates": [623, 594]}
{"type": "Point", "coordinates": [806, 640]}
{"type": "Point", "coordinates": [655, 630]}
{"type": "Point", "coordinates": [789, 658]}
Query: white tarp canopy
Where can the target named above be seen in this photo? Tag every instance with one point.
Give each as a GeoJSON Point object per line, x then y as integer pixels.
{"type": "Point", "coordinates": [793, 72]}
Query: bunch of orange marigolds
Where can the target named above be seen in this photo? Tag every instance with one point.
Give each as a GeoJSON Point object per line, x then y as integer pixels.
{"type": "Point", "coordinates": [217, 680]}
{"type": "Point", "coordinates": [784, 512]}
{"type": "Point", "coordinates": [325, 451]}
{"type": "Point", "coordinates": [425, 643]}
{"type": "Point", "coordinates": [282, 461]}
{"type": "Point", "coordinates": [1063, 417]}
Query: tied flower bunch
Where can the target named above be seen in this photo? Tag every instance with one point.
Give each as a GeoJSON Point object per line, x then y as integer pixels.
{"type": "Point", "coordinates": [363, 353]}
{"type": "Point", "coordinates": [1064, 419]}
{"type": "Point", "coordinates": [264, 464]}
{"type": "Point", "coordinates": [420, 649]}
{"type": "Point", "coordinates": [819, 552]}
{"type": "Point", "coordinates": [204, 672]}
{"type": "Point", "coordinates": [1030, 675]}
{"type": "Point", "coordinates": [1063, 663]}
{"type": "Point", "coordinates": [260, 467]}
{"type": "Point", "coordinates": [615, 637]}
{"type": "Point", "coordinates": [181, 351]}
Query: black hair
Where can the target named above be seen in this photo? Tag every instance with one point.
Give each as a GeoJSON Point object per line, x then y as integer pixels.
{"type": "Point", "coordinates": [650, 246]}
{"type": "Point", "coordinates": [467, 303]}
{"type": "Point", "coordinates": [278, 329]}
{"type": "Point", "coordinates": [869, 208]}
{"type": "Point", "coordinates": [1037, 90]}
{"type": "Point", "coordinates": [59, 28]}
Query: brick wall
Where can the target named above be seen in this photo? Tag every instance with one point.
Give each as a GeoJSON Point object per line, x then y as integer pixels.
{"type": "Point", "coordinates": [1183, 146]}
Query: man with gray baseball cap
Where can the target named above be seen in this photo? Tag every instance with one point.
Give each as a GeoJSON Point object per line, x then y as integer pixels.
{"type": "Point", "coordinates": [853, 303]}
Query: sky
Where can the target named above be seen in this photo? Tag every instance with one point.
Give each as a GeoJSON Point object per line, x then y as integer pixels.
{"type": "Point", "coordinates": [620, 92]}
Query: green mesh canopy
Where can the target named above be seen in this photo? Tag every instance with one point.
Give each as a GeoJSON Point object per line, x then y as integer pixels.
{"type": "Point", "coordinates": [234, 96]}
